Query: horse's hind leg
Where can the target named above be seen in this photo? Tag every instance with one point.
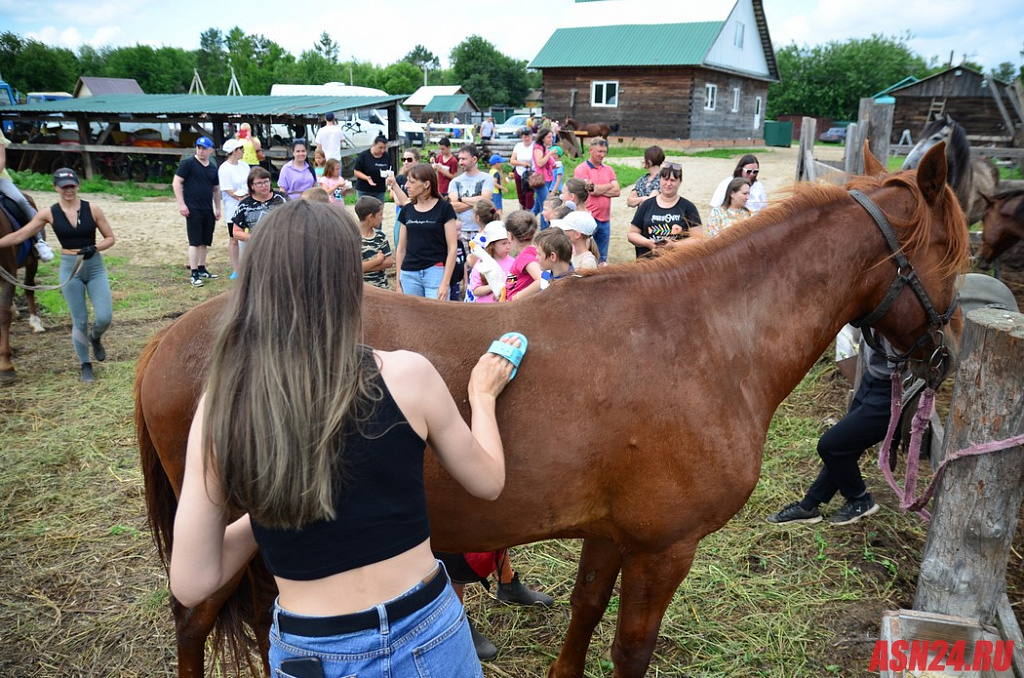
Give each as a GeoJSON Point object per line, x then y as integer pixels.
{"type": "Point", "coordinates": [194, 625]}
{"type": "Point", "coordinates": [7, 374]}
{"type": "Point", "coordinates": [595, 579]}
{"type": "Point", "coordinates": [649, 581]}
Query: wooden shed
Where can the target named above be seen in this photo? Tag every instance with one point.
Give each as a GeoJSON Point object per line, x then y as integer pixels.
{"type": "Point", "coordinates": [422, 97]}
{"type": "Point", "coordinates": [702, 80]}
{"type": "Point", "coordinates": [968, 96]}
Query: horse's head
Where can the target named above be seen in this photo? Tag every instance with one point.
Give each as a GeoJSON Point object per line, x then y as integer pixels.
{"type": "Point", "coordinates": [958, 149]}
{"type": "Point", "coordinates": [930, 245]}
{"type": "Point", "coordinates": [1002, 225]}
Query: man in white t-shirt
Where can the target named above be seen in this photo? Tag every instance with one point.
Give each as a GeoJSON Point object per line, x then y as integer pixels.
{"type": "Point", "coordinates": [328, 139]}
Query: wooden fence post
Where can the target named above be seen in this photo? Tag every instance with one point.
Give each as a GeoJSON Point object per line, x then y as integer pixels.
{"type": "Point", "coordinates": [808, 133]}
{"type": "Point", "coordinates": [963, 570]}
{"type": "Point", "coordinates": [877, 119]}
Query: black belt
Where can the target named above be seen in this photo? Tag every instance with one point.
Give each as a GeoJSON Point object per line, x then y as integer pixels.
{"type": "Point", "coordinates": [319, 627]}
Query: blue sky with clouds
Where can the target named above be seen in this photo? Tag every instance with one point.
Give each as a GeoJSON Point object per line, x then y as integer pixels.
{"type": "Point", "coordinates": [382, 31]}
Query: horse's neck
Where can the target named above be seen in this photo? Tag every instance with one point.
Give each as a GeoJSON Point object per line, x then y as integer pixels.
{"type": "Point", "coordinates": [776, 298]}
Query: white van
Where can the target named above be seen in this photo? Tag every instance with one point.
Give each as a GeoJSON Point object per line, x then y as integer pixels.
{"type": "Point", "coordinates": [364, 125]}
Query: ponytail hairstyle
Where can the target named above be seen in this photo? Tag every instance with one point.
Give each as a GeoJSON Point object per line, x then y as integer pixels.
{"type": "Point", "coordinates": [485, 212]}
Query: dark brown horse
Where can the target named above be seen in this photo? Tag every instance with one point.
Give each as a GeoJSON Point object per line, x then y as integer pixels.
{"type": "Point", "coordinates": [1003, 224]}
{"type": "Point", "coordinates": [593, 129]}
{"type": "Point", "coordinates": [9, 263]}
{"type": "Point", "coordinates": [722, 330]}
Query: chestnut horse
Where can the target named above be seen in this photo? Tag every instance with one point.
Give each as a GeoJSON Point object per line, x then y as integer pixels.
{"type": "Point", "coordinates": [593, 129]}
{"type": "Point", "coordinates": [658, 442]}
{"type": "Point", "coordinates": [1003, 224]}
{"type": "Point", "coordinates": [9, 263]}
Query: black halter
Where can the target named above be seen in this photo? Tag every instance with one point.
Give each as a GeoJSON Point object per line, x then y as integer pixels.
{"type": "Point", "coordinates": [905, 275]}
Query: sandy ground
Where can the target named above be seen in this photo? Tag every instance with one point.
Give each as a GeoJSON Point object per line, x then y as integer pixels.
{"type": "Point", "coordinates": [153, 233]}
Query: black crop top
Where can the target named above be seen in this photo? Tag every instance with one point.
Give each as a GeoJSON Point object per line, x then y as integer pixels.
{"type": "Point", "coordinates": [74, 236]}
{"type": "Point", "coordinates": [381, 510]}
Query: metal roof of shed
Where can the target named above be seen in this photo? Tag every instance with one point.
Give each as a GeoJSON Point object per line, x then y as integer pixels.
{"type": "Point", "coordinates": [446, 103]}
{"type": "Point", "coordinates": [192, 104]}
{"type": "Point", "coordinates": [629, 45]}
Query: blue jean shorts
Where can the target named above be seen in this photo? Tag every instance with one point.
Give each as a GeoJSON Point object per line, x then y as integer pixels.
{"type": "Point", "coordinates": [432, 641]}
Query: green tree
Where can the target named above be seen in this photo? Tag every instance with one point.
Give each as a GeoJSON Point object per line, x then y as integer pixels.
{"type": "Point", "coordinates": [31, 66]}
{"type": "Point", "coordinates": [423, 59]}
{"type": "Point", "coordinates": [92, 61]}
{"type": "Point", "coordinates": [486, 74]}
{"type": "Point", "coordinates": [830, 80]}
{"type": "Point", "coordinates": [163, 70]}
{"type": "Point", "coordinates": [327, 48]}
{"type": "Point", "coordinates": [1005, 71]}
{"type": "Point", "coordinates": [212, 61]}
{"type": "Point", "coordinates": [401, 77]}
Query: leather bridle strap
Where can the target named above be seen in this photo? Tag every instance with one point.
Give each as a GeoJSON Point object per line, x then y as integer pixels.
{"type": "Point", "coordinates": [905, 274]}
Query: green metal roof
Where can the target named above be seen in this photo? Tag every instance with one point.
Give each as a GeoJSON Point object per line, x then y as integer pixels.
{"type": "Point", "coordinates": [641, 45]}
{"type": "Point", "coordinates": [446, 103]}
{"type": "Point", "coordinates": [191, 104]}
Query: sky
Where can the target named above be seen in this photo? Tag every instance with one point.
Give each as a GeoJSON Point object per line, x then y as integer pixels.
{"type": "Point", "coordinates": [383, 31]}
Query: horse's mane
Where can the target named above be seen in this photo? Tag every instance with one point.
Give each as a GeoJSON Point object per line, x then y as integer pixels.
{"type": "Point", "coordinates": [958, 151]}
{"type": "Point", "coordinates": [914, 232]}
{"type": "Point", "coordinates": [1018, 214]}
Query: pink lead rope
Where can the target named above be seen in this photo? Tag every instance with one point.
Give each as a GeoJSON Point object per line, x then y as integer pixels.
{"type": "Point", "coordinates": [917, 428]}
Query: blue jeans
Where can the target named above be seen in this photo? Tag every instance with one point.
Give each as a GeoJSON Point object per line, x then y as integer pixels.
{"type": "Point", "coordinates": [433, 641]}
{"type": "Point", "coordinates": [423, 283]}
{"type": "Point", "coordinates": [540, 194]}
{"type": "Point", "coordinates": [603, 236]}
{"type": "Point", "coordinates": [91, 279]}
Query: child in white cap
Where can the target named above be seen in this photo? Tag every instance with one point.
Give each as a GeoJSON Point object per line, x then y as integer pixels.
{"type": "Point", "coordinates": [580, 227]}
{"type": "Point", "coordinates": [492, 250]}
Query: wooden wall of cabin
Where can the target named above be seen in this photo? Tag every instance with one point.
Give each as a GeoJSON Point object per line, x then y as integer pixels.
{"type": "Point", "coordinates": [979, 116]}
{"type": "Point", "coordinates": [658, 102]}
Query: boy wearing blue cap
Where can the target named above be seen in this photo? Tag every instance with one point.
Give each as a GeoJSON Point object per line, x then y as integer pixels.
{"type": "Point", "coordinates": [499, 181]}
{"type": "Point", "coordinates": [197, 187]}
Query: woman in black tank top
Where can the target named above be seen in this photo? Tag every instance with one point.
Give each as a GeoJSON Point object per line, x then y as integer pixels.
{"type": "Point", "coordinates": [318, 441]}
{"type": "Point", "coordinates": [82, 274]}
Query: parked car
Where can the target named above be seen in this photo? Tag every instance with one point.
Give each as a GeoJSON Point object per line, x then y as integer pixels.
{"type": "Point", "coordinates": [510, 128]}
{"type": "Point", "coordinates": [833, 135]}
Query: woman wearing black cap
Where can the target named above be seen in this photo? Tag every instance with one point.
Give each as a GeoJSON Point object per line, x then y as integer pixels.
{"type": "Point", "coordinates": [75, 223]}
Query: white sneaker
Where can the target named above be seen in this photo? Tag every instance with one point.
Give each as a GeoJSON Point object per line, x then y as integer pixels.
{"type": "Point", "coordinates": [43, 250]}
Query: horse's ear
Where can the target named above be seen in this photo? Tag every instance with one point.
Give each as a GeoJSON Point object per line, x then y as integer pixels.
{"type": "Point", "coordinates": [871, 165]}
{"type": "Point", "coordinates": [931, 173]}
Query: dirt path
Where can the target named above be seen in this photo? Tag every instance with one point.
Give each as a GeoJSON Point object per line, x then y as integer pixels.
{"type": "Point", "coordinates": [153, 233]}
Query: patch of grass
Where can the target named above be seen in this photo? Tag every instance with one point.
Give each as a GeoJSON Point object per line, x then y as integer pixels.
{"type": "Point", "coordinates": [127, 190]}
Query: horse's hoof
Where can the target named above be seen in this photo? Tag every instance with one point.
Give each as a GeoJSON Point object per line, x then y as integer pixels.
{"type": "Point", "coordinates": [8, 377]}
{"type": "Point", "coordinates": [36, 324]}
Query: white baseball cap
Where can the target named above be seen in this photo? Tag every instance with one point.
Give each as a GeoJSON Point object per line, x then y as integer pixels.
{"type": "Point", "coordinates": [231, 145]}
{"type": "Point", "coordinates": [579, 221]}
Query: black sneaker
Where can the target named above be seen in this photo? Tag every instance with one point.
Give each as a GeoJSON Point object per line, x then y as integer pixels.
{"type": "Point", "coordinates": [485, 649]}
{"type": "Point", "coordinates": [87, 376]}
{"type": "Point", "coordinates": [98, 351]}
{"type": "Point", "coordinates": [197, 281]}
{"type": "Point", "coordinates": [853, 510]}
{"type": "Point", "coordinates": [206, 274]}
{"type": "Point", "coordinates": [793, 513]}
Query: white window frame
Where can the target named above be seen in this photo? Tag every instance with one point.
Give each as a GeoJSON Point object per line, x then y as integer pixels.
{"type": "Point", "coordinates": [735, 99]}
{"type": "Point", "coordinates": [737, 39]}
{"type": "Point", "coordinates": [602, 85]}
{"type": "Point", "coordinates": [710, 96]}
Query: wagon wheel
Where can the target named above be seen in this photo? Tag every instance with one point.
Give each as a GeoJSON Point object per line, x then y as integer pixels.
{"type": "Point", "coordinates": [138, 171]}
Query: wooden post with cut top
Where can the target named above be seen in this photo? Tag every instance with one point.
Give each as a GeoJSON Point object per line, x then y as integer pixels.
{"type": "Point", "coordinates": [963, 569]}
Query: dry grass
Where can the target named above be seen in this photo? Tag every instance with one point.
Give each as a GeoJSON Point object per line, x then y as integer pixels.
{"type": "Point", "coordinates": [82, 593]}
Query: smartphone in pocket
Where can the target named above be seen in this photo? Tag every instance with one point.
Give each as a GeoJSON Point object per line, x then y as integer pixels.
{"type": "Point", "coordinates": [303, 667]}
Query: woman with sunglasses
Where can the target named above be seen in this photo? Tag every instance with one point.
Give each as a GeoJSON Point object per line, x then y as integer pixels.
{"type": "Point", "coordinates": [747, 168]}
{"type": "Point", "coordinates": [297, 174]}
{"type": "Point", "coordinates": [666, 218]}
{"type": "Point", "coordinates": [396, 183]}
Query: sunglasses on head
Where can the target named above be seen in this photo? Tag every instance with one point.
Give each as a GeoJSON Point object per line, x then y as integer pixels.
{"type": "Point", "coordinates": [671, 169]}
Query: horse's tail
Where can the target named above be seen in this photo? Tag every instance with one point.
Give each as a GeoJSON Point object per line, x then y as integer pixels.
{"type": "Point", "coordinates": [244, 618]}
{"type": "Point", "coordinates": [161, 502]}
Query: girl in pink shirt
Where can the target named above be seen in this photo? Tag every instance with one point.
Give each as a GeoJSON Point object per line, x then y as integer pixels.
{"type": "Point", "coordinates": [525, 272]}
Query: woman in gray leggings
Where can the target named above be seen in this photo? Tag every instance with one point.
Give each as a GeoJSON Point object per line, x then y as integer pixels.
{"type": "Point", "coordinates": [75, 223]}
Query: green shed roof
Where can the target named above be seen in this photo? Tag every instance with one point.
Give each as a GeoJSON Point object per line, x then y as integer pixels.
{"type": "Point", "coordinates": [641, 45]}
{"type": "Point", "coordinates": [192, 104]}
{"type": "Point", "coordinates": [446, 103]}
